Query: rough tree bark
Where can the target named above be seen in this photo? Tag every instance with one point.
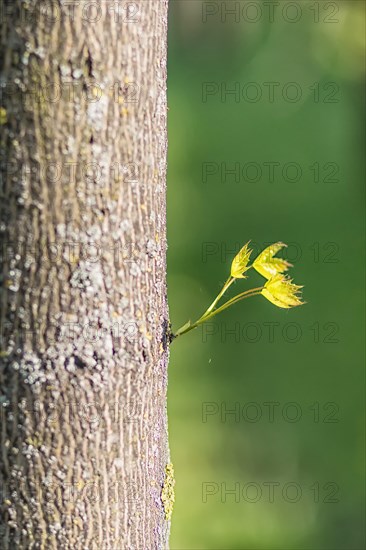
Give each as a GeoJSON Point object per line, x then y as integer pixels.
{"type": "Point", "coordinates": [84, 448]}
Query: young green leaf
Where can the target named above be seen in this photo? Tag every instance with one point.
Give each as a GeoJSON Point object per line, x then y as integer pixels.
{"type": "Point", "coordinates": [267, 265]}
{"type": "Point", "coordinates": [240, 263]}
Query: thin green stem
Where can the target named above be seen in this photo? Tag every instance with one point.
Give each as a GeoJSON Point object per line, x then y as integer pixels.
{"type": "Point", "coordinates": [232, 301]}
{"type": "Point", "coordinates": [228, 283]}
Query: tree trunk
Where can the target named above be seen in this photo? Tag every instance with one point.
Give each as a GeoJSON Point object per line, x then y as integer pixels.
{"type": "Point", "coordinates": [84, 450]}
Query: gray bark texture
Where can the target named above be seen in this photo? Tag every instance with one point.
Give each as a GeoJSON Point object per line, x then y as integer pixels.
{"type": "Point", "coordinates": [84, 353]}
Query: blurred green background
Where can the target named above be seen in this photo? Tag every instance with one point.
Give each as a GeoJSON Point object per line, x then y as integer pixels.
{"type": "Point", "coordinates": [308, 362]}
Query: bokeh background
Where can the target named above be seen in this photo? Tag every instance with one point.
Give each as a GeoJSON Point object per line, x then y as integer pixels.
{"type": "Point", "coordinates": [307, 362]}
